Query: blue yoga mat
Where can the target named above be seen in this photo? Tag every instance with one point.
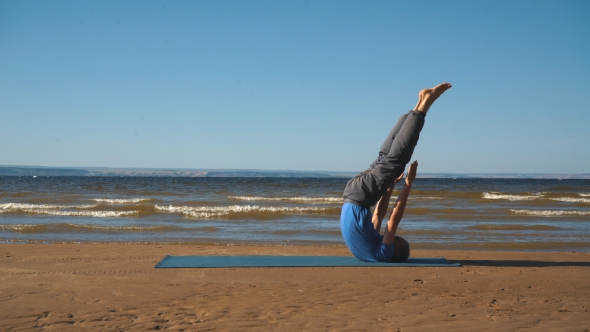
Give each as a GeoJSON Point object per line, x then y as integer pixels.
{"type": "Point", "coordinates": [286, 261]}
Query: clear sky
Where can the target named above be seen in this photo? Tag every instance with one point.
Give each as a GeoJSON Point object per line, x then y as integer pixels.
{"type": "Point", "coordinates": [294, 85]}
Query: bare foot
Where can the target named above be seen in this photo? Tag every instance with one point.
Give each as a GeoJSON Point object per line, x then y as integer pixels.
{"type": "Point", "coordinates": [427, 96]}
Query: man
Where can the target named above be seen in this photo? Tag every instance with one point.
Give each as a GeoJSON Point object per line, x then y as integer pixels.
{"type": "Point", "coordinates": [360, 227]}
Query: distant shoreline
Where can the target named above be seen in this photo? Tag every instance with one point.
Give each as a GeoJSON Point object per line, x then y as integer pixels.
{"type": "Point", "coordinates": [180, 172]}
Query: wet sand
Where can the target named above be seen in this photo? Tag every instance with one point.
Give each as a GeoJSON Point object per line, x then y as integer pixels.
{"type": "Point", "coordinates": [115, 287]}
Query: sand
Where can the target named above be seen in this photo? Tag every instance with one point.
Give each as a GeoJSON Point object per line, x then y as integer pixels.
{"type": "Point", "coordinates": [106, 287]}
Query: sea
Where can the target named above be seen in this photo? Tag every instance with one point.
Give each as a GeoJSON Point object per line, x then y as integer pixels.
{"type": "Point", "coordinates": [442, 213]}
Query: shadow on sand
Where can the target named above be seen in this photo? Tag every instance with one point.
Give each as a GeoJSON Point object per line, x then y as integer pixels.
{"type": "Point", "coordinates": [517, 263]}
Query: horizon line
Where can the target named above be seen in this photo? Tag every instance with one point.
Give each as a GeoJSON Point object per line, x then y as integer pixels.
{"type": "Point", "coordinates": [267, 170]}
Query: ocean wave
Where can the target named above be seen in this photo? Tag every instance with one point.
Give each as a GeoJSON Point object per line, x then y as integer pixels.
{"type": "Point", "coordinates": [305, 231]}
{"type": "Point", "coordinates": [515, 227]}
{"type": "Point", "coordinates": [448, 194]}
{"type": "Point", "coordinates": [65, 227]}
{"type": "Point", "coordinates": [6, 207]}
{"type": "Point", "coordinates": [121, 200]}
{"type": "Point", "coordinates": [16, 194]}
{"type": "Point", "coordinates": [311, 200]}
{"type": "Point", "coordinates": [96, 214]}
{"type": "Point", "coordinates": [421, 232]}
{"type": "Point", "coordinates": [425, 197]}
{"type": "Point", "coordinates": [584, 194]}
{"type": "Point", "coordinates": [123, 228]}
{"type": "Point", "coordinates": [61, 210]}
{"type": "Point", "coordinates": [20, 227]}
{"type": "Point", "coordinates": [215, 211]}
{"type": "Point", "coordinates": [571, 199]}
{"type": "Point", "coordinates": [509, 197]}
{"type": "Point", "coordinates": [550, 213]}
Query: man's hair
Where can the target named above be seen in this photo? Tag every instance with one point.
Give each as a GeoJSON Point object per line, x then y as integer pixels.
{"type": "Point", "coordinates": [401, 253]}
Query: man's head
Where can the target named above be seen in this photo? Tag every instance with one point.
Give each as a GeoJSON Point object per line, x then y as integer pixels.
{"type": "Point", "coordinates": [401, 250]}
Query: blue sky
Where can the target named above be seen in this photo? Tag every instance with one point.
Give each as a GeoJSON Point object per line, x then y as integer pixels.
{"type": "Point", "coordinates": [294, 85]}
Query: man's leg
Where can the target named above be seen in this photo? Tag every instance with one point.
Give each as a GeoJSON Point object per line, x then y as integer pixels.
{"type": "Point", "coordinates": [366, 188]}
{"type": "Point", "coordinates": [390, 165]}
{"type": "Point", "coordinates": [389, 139]}
{"type": "Point", "coordinates": [425, 99]}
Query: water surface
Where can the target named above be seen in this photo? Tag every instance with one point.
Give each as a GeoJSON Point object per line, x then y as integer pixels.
{"type": "Point", "coordinates": [491, 214]}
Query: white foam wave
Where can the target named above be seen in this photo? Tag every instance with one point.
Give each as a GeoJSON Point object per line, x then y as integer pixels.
{"type": "Point", "coordinates": [571, 199]}
{"type": "Point", "coordinates": [549, 213]}
{"type": "Point", "coordinates": [21, 227]}
{"type": "Point", "coordinates": [291, 199]}
{"type": "Point", "coordinates": [97, 214]}
{"type": "Point", "coordinates": [61, 210]}
{"type": "Point", "coordinates": [121, 200]}
{"type": "Point", "coordinates": [512, 197]}
{"type": "Point", "coordinates": [584, 194]}
{"type": "Point", "coordinates": [205, 215]}
{"type": "Point", "coordinates": [20, 206]}
{"type": "Point", "coordinates": [213, 211]}
{"type": "Point", "coordinates": [17, 227]}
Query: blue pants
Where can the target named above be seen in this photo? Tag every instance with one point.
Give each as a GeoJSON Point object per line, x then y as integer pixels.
{"type": "Point", "coordinates": [396, 152]}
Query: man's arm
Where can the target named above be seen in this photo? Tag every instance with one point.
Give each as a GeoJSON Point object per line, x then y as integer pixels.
{"type": "Point", "coordinates": [400, 206]}
{"type": "Point", "coordinates": [381, 208]}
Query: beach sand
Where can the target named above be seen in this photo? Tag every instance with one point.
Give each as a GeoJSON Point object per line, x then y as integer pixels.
{"type": "Point", "coordinates": [112, 287]}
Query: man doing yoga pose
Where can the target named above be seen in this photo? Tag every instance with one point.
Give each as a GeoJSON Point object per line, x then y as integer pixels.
{"type": "Point", "coordinates": [360, 227]}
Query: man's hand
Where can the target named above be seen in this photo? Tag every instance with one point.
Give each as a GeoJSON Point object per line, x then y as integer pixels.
{"type": "Point", "coordinates": [412, 173]}
{"type": "Point", "coordinates": [399, 178]}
